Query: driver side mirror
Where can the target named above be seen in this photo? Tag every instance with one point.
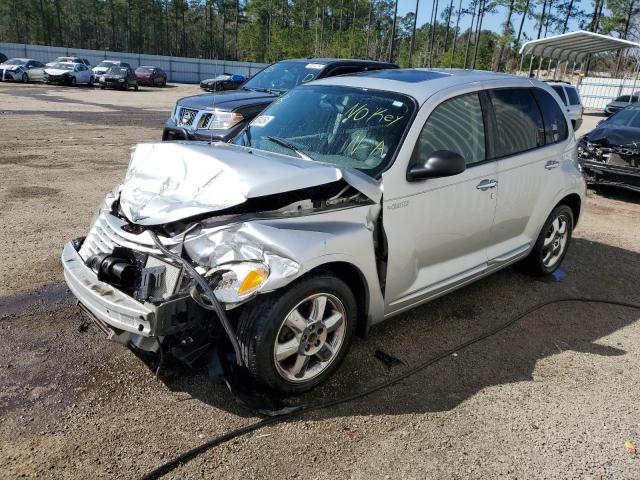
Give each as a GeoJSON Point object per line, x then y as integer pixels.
{"type": "Point", "coordinates": [441, 163]}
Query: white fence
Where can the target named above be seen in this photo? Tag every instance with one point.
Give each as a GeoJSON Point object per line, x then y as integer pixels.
{"type": "Point", "coordinates": [179, 69]}
{"type": "Point", "coordinates": [597, 92]}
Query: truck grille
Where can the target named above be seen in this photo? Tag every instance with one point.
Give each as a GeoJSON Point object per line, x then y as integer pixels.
{"type": "Point", "coordinates": [187, 116]}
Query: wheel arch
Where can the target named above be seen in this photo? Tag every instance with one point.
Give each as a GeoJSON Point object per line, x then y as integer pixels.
{"type": "Point", "coordinates": [357, 282]}
{"type": "Point", "coordinates": [574, 202]}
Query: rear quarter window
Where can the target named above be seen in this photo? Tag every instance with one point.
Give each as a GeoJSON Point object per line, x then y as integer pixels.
{"type": "Point", "coordinates": [555, 125]}
{"type": "Point", "coordinates": [560, 91]}
{"type": "Point", "coordinates": [572, 93]}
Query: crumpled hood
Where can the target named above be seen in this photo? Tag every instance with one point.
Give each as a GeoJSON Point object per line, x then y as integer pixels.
{"type": "Point", "coordinates": [615, 136]}
{"type": "Point", "coordinates": [4, 66]}
{"type": "Point", "coordinates": [167, 182]}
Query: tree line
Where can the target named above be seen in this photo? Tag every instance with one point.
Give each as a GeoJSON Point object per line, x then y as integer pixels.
{"type": "Point", "coordinates": [269, 30]}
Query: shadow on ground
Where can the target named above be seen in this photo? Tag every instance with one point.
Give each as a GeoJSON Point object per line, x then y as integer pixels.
{"type": "Point", "coordinates": [593, 270]}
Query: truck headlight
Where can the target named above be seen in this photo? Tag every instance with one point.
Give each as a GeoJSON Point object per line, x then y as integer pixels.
{"type": "Point", "coordinates": [224, 120]}
{"type": "Point", "coordinates": [238, 281]}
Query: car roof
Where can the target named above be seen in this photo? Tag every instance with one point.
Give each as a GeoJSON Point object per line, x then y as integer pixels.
{"type": "Point", "coordinates": [24, 60]}
{"type": "Point", "coordinates": [421, 83]}
{"type": "Point", "coordinates": [560, 84]}
{"type": "Point", "coordinates": [340, 61]}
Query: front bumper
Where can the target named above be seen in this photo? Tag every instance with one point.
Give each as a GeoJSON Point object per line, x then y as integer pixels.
{"type": "Point", "coordinates": [62, 79]}
{"type": "Point", "coordinates": [615, 175]}
{"type": "Point", "coordinates": [121, 312]}
{"type": "Point", "coordinates": [10, 75]}
{"type": "Point", "coordinates": [172, 131]}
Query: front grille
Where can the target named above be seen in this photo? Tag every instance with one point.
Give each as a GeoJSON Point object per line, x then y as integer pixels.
{"type": "Point", "coordinates": [187, 116]}
{"type": "Point", "coordinates": [204, 120]}
{"type": "Point", "coordinates": [106, 233]}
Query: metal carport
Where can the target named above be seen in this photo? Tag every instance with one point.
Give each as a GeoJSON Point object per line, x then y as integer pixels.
{"type": "Point", "coordinates": [571, 47]}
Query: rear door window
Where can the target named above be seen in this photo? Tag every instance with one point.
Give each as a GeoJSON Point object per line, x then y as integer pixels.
{"type": "Point", "coordinates": [555, 125]}
{"type": "Point", "coordinates": [574, 98]}
{"type": "Point", "coordinates": [519, 125]}
{"type": "Point", "coordinates": [456, 125]}
{"type": "Point", "coordinates": [560, 91]}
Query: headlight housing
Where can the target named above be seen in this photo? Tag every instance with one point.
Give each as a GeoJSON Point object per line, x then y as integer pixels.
{"type": "Point", "coordinates": [239, 281]}
{"type": "Point", "coordinates": [224, 120]}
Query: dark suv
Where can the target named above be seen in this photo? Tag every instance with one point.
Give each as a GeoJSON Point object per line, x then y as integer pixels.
{"type": "Point", "coordinates": [222, 115]}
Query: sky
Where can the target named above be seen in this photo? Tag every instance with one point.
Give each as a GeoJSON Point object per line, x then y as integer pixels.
{"type": "Point", "coordinates": [491, 21]}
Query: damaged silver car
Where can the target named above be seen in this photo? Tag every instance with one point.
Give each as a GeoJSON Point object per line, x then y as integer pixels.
{"type": "Point", "coordinates": [347, 201]}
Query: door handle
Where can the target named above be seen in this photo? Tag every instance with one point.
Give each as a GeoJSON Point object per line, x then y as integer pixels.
{"type": "Point", "coordinates": [551, 164]}
{"type": "Point", "coordinates": [486, 184]}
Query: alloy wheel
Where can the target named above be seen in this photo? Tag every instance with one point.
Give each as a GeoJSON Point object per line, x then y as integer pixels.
{"type": "Point", "coordinates": [555, 241]}
{"type": "Point", "coordinates": [310, 337]}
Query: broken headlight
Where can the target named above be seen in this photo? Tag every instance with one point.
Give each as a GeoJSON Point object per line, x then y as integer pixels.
{"type": "Point", "coordinates": [238, 281]}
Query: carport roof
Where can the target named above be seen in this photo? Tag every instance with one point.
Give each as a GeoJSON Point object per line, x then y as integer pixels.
{"type": "Point", "coordinates": [574, 45]}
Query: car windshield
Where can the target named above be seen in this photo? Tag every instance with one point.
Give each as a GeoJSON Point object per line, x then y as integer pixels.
{"type": "Point", "coordinates": [283, 76]}
{"type": "Point", "coordinates": [144, 69]}
{"type": "Point", "coordinates": [62, 66]}
{"type": "Point", "coordinates": [625, 98]}
{"type": "Point", "coordinates": [224, 76]}
{"type": "Point", "coordinates": [345, 126]}
{"type": "Point", "coordinates": [106, 63]}
{"type": "Point", "coordinates": [628, 117]}
{"type": "Point", "coordinates": [14, 61]}
{"type": "Point", "coordinates": [117, 71]}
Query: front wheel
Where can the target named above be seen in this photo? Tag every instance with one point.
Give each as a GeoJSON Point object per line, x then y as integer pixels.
{"type": "Point", "coordinates": [552, 243]}
{"type": "Point", "coordinates": [25, 78]}
{"type": "Point", "coordinates": [294, 339]}
{"type": "Point", "coordinates": [73, 81]}
{"type": "Point", "coordinates": [91, 80]}
{"type": "Point", "coordinates": [135, 87]}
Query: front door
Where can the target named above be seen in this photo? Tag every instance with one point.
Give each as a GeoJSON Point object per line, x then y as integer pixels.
{"type": "Point", "coordinates": [438, 229]}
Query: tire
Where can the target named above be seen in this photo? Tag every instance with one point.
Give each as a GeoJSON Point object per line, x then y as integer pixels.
{"type": "Point", "coordinates": [25, 78]}
{"type": "Point", "coordinates": [91, 80]}
{"type": "Point", "coordinates": [545, 259]}
{"type": "Point", "coordinates": [102, 87]}
{"type": "Point", "coordinates": [135, 87]}
{"type": "Point", "coordinates": [73, 81]}
{"type": "Point", "coordinates": [263, 325]}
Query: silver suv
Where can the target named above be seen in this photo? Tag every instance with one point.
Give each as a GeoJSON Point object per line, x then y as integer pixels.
{"type": "Point", "coordinates": [347, 201]}
{"type": "Point", "coordinates": [571, 100]}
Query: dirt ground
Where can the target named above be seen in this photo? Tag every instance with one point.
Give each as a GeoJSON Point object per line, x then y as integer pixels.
{"type": "Point", "coordinates": [555, 396]}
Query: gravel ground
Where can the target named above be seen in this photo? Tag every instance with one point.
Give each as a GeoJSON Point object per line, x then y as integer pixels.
{"type": "Point", "coordinates": [555, 396]}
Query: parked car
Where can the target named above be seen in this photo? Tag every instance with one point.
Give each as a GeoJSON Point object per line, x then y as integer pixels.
{"type": "Point", "coordinates": [151, 76]}
{"type": "Point", "coordinates": [346, 202]}
{"type": "Point", "coordinates": [69, 74]}
{"type": "Point", "coordinates": [226, 81]}
{"type": "Point", "coordinates": [610, 154]}
{"type": "Point", "coordinates": [220, 116]}
{"type": "Point", "coordinates": [121, 78]}
{"type": "Point", "coordinates": [21, 70]}
{"type": "Point", "coordinates": [3, 58]}
{"type": "Point", "coordinates": [571, 100]}
{"type": "Point", "coordinates": [623, 101]}
{"type": "Point", "coordinates": [72, 59]}
{"type": "Point", "coordinates": [105, 65]}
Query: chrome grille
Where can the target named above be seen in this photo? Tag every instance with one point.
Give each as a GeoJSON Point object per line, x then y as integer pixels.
{"type": "Point", "coordinates": [187, 116]}
{"type": "Point", "coordinates": [106, 233]}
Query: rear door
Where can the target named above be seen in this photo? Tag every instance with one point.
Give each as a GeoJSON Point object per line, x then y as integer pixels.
{"type": "Point", "coordinates": [437, 229]}
{"type": "Point", "coordinates": [530, 133]}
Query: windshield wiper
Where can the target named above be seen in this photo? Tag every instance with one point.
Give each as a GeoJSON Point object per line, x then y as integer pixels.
{"type": "Point", "coordinates": [284, 143]}
{"type": "Point", "coordinates": [265, 90]}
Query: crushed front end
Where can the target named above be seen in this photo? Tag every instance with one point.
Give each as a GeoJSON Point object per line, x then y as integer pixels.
{"type": "Point", "coordinates": [607, 163]}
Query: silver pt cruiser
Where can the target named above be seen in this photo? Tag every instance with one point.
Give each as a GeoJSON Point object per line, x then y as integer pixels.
{"type": "Point", "coordinates": [349, 200]}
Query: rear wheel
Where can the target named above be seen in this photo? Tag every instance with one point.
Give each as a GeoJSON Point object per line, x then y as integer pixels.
{"type": "Point", "coordinates": [294, 339]}
{"type": "Point", "coordinates": [552, 243]}
{"type": "Point", "coordinates": [91, 80]}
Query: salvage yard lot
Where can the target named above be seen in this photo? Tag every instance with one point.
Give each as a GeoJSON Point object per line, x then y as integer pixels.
{"type": "Point", "coordinates": [555, 396]}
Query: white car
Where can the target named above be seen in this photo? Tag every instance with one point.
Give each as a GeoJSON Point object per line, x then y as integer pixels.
{"type": "Point", "coordinates": [21, 70]}
{"type": "Point", "coordinates": [347, 201]}
{"type": "Point", "coordinates": [571, 100]}
{"type": "Point", "coordinates": [69, 74]}
{"type": "Point", "coordinates": [102, 68]}
{"type": "Point", "coordinates": [74, 59]}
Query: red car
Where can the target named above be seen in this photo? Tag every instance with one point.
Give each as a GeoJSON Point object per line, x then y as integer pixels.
{"type": "Point", "coordinates": [151, 76]}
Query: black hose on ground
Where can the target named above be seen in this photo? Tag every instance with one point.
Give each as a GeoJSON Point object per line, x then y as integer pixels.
{"type": "Point", "coordinates": [188, 455]}
{"type": "Point", "coordinates": [210, 296]}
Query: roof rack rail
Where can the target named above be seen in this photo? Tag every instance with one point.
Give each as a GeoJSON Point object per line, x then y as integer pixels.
{"type": "Point", "coordinates": [557, 81]}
